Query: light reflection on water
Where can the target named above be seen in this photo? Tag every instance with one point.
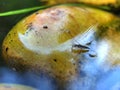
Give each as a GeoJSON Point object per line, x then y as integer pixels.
{"type": "Point", "coordinates": [93, 78]}
{"type": "Point", "coordinates": [110, 80]}
{"type": "Point", "coordinates": [39, 82]}
{"type": "Point", "coordinates": [96, 73]}
{"type": "Point", "coordinates": [97, 79]}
